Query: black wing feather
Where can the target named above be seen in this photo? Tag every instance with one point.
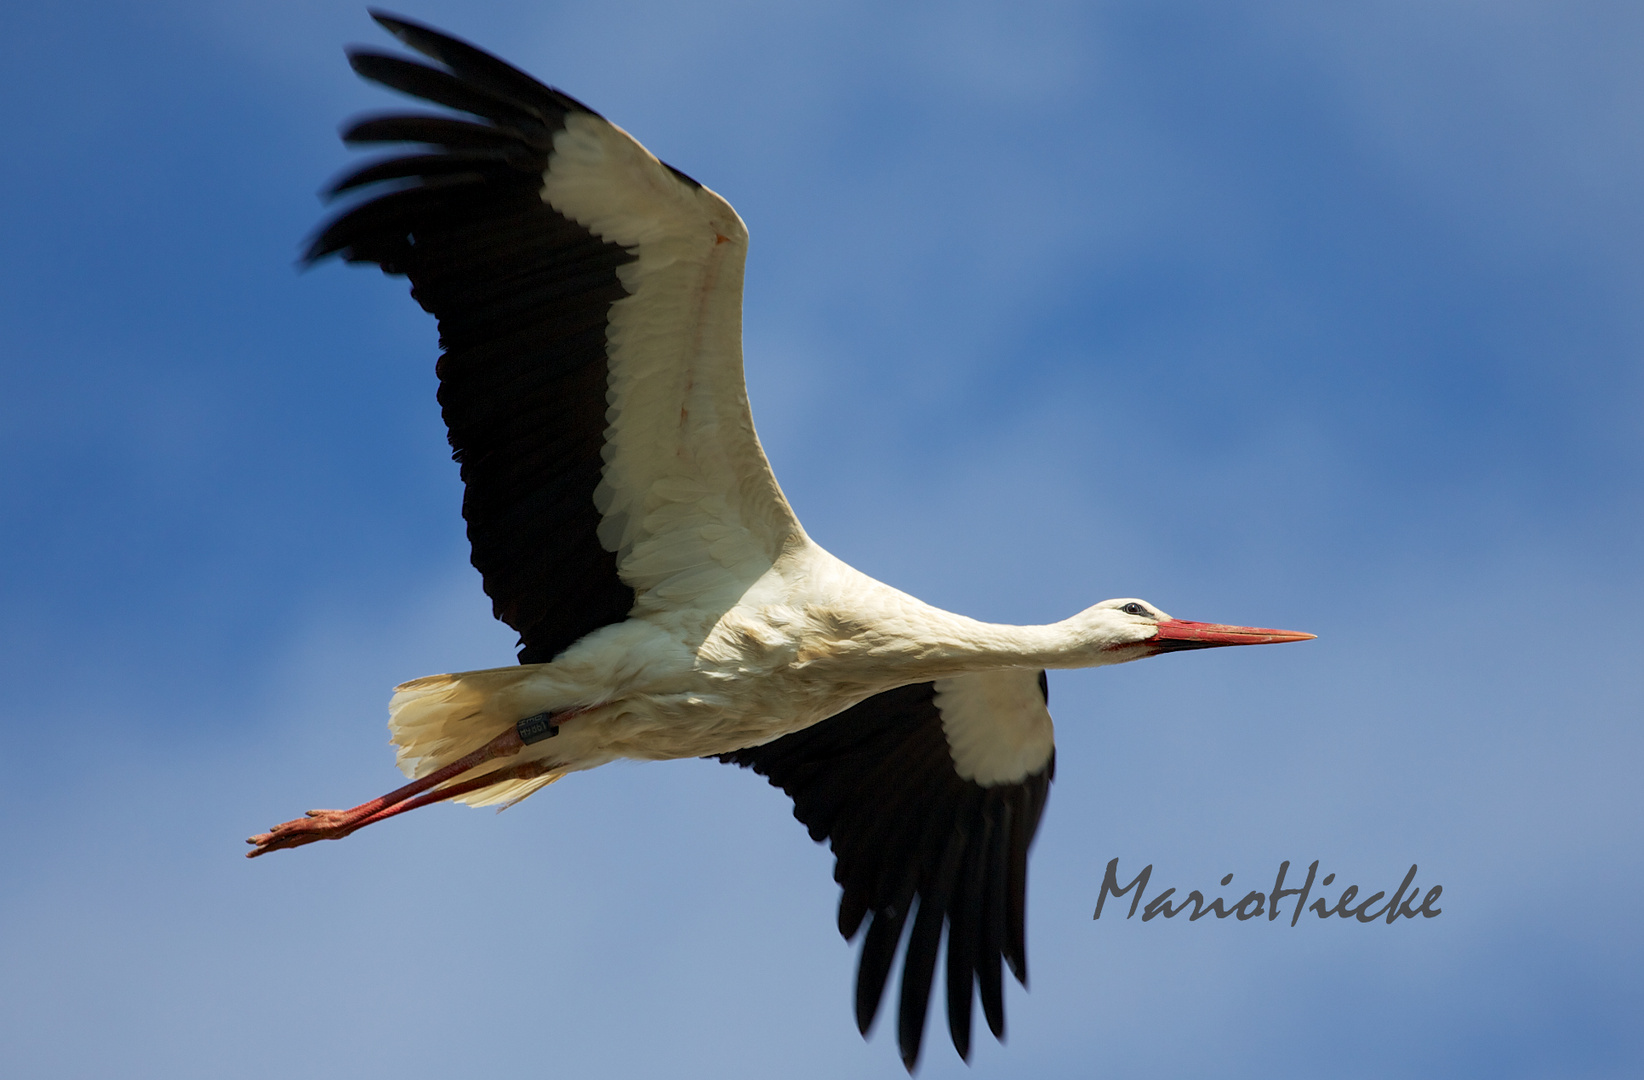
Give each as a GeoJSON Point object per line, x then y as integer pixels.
{"type": "Point", "coordinates": [444, 88]}
{"type": "Point", "coordinates": [920, 966]}
{"type": "Point", "coordinates": [523, 297]}
{"type": "Point", "coordinates": [990, 932]}
{"type": "Point", "coordinates": [435, 131]}
{"type": "Point", "coordinates": [477, 67]}
{"type": "Point", "coordinates": [468, 166]}
{"type": "Point", "coordinates": [911, 837]}
{"type": "Point", "coordinates": [963, 943]}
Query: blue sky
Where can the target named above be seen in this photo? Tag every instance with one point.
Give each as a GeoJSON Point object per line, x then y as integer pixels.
{"type": "Point", "coordinates": [1316, 317]}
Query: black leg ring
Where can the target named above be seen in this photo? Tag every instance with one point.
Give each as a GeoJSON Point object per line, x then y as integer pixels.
{"type": "Point", "coordinates": [534, 729]}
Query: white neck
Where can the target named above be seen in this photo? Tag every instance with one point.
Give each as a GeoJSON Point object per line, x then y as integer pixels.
{"type": "Point", "coordinates": [863, 630]}
{"type": "Point", "coordinates": [917, 642]}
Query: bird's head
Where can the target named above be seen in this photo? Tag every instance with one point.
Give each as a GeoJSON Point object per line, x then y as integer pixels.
{"type": "Point", "coordinates": [1115, 631]}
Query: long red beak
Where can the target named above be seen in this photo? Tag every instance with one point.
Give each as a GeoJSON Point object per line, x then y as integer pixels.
{"type": "Point", "coordinates": [1177, 634]}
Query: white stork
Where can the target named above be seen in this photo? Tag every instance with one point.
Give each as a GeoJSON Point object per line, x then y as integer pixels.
{"type": "Point", "coordinates": [627, 525]}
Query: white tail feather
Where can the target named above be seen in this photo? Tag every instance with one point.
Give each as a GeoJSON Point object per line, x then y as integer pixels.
{"type": "Point", "coordinates": [436, 720]}
{"type": "Point", "coordinates": [509, 793]}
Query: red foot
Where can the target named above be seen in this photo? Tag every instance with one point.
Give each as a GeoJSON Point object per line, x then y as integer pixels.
{"type": "Point", "coordinates": [336, 824]}
{"type": "Point", "coordinates": [316, 825]}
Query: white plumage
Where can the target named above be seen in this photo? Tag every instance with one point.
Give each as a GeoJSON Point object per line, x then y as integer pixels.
{"type": "Point", "coordinates": [627, 524]}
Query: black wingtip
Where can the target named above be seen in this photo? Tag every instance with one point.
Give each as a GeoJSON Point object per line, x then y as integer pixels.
{"type": "Point", "coordinates": [853, 908]}
{"type": "Point", "coordinates": [910, 1035]}
{"type": "Point", "coordinates": [415, 35]}
{"type": "Point", "coordinates": [394, 24]}
{"type": "Point", "coordinates": [878, 954]}
{"type": "Point", "coordinates": [315, 250]}
{"type": "Point", "coordinates": [473, 63]}
{"type": "Point", "coordinates": [867, 1005]}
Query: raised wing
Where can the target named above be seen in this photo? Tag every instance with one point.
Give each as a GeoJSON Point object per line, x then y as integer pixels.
{"type": "Point", "coordinates": [930, 796]}
{"type": "Point", "coordinates": [589, 300]}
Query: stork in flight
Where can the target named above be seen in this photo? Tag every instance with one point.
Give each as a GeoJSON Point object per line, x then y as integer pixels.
{"type": "Point", "coordinates": [627, 525]}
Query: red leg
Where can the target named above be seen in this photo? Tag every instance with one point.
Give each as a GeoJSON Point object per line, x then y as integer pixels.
{"type": "Point", "coordinates": [496, 776]}
{"type": "Point", "coordinates": [336, 824]}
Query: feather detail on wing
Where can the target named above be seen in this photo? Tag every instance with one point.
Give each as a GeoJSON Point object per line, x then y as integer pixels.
{"type": "Point", "coordinates": [914, 838]}
{"type": "Point", "coordinates": [589, 300]}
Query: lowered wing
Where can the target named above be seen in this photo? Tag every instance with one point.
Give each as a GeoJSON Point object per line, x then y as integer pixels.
{"type": "Point", "coordinates": [930, 796]}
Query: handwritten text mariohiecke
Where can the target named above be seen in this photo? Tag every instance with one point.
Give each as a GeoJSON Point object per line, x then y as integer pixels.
{"type": "Point", "coordinates": [1346, 906]}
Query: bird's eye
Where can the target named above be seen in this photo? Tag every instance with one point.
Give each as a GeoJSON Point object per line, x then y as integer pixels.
{"type": "Point", "coordinates": [1135, 609]}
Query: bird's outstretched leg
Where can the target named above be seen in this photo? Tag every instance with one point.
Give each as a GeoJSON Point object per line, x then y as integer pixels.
{"type": "Point", "coordinates": [336, 824]}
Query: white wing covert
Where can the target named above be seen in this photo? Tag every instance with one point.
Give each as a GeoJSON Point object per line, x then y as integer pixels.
{"type": "Point", "coordinates": [688, 501]}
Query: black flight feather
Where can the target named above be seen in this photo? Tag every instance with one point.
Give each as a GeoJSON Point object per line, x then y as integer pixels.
{"type": "Point", "coordinates": [523, 298]}
{"type": "Point", "coordinates": [911, 837]}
